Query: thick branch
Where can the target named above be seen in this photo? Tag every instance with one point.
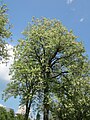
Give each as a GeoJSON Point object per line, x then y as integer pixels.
{"type": "Point", "coordinates": [59, 74]}
{"type": "Point", "coordinates": [63, 57]}
{"type": "Point", "coordinates": [53, 56]}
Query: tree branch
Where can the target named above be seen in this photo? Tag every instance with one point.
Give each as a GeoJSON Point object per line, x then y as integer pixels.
{"type": "Point", "coordinates": [59, 74]}
{"type": "Point", "coordinates": [53, 56]}
{"type": "Point", "coordinates": [63, 57]}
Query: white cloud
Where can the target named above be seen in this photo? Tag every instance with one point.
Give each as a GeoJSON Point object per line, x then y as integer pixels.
{"type": "Point", "coordinates": [70, 1]}
{"type": "Point", "coordinates": [2, 105]}
{"type": "Point", "coordinates": [82, 19]}
{"type": "Point", "coordinates": [4, 69]}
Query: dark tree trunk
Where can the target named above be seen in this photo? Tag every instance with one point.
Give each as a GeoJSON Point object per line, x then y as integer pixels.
{"type": "Point", "coordinates": [27, 112]}
{"type": "Point", "coordinates": [46, 105]}
{"type": "Point", "coordinates": [26, 116]}
{"type": "Point", "coordinates": [28, 105]}
{"type": "Point", "coordinates": [46, 108]}
{"type": "Point", "coordinates": [45, 75]}
{"type": "Point", "coordinates": [46, 113]}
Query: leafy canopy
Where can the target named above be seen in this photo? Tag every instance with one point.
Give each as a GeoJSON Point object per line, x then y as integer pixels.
{"type": "Point", "coordinates": [50, 67]}
{"type": "Point", "coordinates": [4, 31]}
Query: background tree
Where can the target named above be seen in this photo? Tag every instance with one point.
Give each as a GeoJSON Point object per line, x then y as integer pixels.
{"type": "Point", "coordinates": [4, 31]}
{"type": "Point", "coordinates": [3, 114]}
{"type": "Point", "coordinates": [11, 114]}
{"type": "Point", "coordinates": [6, 114]}
{"type": "Point", "coordinates": [54, 61]}
{"type": "Point", "coordinates": [19, 117]}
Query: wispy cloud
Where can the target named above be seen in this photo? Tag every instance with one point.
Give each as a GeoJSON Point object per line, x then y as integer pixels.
{"type": "Point", "coordinates": [70, 1]}
{"type": "Point", "coordinates": [4, 69]}
{"type": "Point", "coordinates": [82, 19]}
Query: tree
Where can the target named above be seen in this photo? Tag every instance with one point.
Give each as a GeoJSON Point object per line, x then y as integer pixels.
{"type": "Point", "coordinates": [19, 117]}
{"type": "Point", "coordinates": [4, 31]}
{"type": "Point", "coordinates": [11, 114]}
{"type": "Point", "coordinates": [50, 65]}
{"type": "Point", "coordinates": [24, 82]}
{"type": "Point", "coordinates": [5, 115]}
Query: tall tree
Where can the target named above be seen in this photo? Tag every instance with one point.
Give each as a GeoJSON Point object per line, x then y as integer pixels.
{"type": "Point", "coordinates": [24, 78]}
{"type": "Point", "coordinates": [52, 58]}
{"type": "Point", "coordinates": [4, 31]}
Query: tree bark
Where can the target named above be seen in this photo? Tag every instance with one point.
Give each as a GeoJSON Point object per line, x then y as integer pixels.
{"type": "Point", "coordinates": [46, 105]}
{"type": "Point", "coordinates": [46, 97]}
{"type": "Point", "coordinates": [27, 112]}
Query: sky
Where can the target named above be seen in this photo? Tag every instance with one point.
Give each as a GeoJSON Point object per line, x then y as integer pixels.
{"type": "Point", "coordinates": [74, 14]}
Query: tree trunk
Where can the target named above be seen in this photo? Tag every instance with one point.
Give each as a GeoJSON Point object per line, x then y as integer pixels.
{"type": "Point", "coordinates": [27, 112]}
{"type": "Point", "coordinates": [26, 116]}
{"type": "Point", "coordinates": [28, 105]}
{"type": "Point", "coordinates": [46, 113]}
{"type": "Point", "coordinates": [45, 102]}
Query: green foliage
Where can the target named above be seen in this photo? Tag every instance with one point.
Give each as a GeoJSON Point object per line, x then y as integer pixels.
{"type": "Point", "coordinates": [4, 31]}
{"type": "Point", "coordinates": [19, 117]}
{"type": "Point", "coordinates": [3, 114]}
{"type": "Point", "coordinates": [6, 115]}
{"type": "Point", "coordinates": [50, 67]}
{"type": "Point", "coordinates": [10, 115]}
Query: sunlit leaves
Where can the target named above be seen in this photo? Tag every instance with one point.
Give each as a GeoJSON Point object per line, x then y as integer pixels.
{"type": "Point", "coordinates": [4, 31]}
{"type": "Point", "coordinates": [50, 66]}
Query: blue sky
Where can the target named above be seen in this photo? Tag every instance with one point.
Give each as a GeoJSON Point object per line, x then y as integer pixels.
{"type": "Point", "coordinates": [74, 14]}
